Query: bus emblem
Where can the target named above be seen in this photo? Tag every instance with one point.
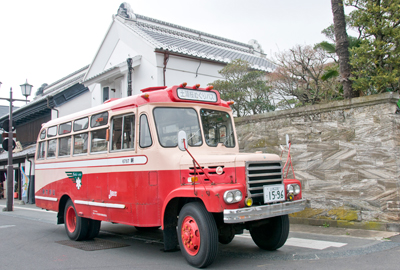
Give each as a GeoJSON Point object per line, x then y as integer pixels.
{"type": "Point", "coordinates": [76, 178]}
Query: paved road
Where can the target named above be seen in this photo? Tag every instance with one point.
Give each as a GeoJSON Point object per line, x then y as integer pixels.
{"type": "Point", "coordinates": [30, 239]}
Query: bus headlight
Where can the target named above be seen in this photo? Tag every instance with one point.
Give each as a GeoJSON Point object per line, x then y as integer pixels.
{"type": "Point", "coordinates": [233, 196]}
{"type": "Point", "coordinates": [293, 189]}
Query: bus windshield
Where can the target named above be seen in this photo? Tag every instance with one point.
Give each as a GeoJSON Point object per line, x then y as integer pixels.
{"type": "Point", "coordinates": [217, 127]}
{"type": "Point", "coordinates": [169, 121]}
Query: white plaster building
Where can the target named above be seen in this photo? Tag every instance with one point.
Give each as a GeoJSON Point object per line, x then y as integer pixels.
{"type": "Point", "coordinates": [161, 54]}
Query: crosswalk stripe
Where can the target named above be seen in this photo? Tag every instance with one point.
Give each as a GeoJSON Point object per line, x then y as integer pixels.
{"type": "Point", "coordinates": [6, 226]}
{"type": "Point", "coordinates": [306, 243]}
{"type": "Point", "coordinates": [313, 244]}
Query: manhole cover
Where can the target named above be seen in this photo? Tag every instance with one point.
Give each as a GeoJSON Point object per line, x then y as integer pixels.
{"type": "Point", "coordinates": [90, 245]}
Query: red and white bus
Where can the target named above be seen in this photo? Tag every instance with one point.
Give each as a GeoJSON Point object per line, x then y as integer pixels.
{"type": "Point", "coordinates": [167, 158]}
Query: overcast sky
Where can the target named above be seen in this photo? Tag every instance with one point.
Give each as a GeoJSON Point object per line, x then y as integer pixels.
{"type": "Point", "coordinates": [45, 40]}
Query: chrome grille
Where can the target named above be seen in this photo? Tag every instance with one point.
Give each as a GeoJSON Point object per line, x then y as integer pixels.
{"type": "Point", "coordinates": [260, 173]}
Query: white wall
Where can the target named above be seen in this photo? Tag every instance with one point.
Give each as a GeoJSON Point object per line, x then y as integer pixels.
{"type": "Point", "coordinates": [192, 71]}
{"type": "Point", "coordinates": [77, 104]}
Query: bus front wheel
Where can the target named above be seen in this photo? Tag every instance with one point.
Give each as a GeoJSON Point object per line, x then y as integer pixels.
{"type": "Point", "coordinates": [75, 226]}
{"type": "Point", "coordinates": [271, 235]}
{"type": "Point", "coordinates": [198, 235]}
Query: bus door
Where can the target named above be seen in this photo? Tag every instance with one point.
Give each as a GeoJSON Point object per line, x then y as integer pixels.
{"type": "Point", "coordinates": [146, 180]}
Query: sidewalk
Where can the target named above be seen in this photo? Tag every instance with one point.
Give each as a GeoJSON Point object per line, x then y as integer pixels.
{"type": "Point", "coordinates": [336, 231]}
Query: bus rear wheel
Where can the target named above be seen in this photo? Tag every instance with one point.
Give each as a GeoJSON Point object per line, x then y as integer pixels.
{"type": "Point", "coordinates": [93, 229]}
{"type": "Point", "coordinates": [197, 235]}
{"type": "Point", "coordinates": [271, 235]}
{"type": "Point", "coordinates": [75, 226]}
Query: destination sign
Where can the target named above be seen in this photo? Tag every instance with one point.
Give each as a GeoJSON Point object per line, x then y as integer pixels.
{"type": "Point", "coordinates": [198, 95]}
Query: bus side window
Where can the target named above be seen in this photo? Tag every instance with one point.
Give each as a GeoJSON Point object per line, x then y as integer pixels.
{"type": "Point", "coordinates": [116, 133]}
{"type": "Point", "coordinates": [128, 132]}
{"type": "Point", "coordinates": [98, 140]}
{"type": "Point", "coordinates": [51, 148]}
{"type": "Point", "coordinates": [64, 146]}
{"type": "Point", "coordinates": [41, 150]}
{"type": "Point", "coordinates": [80, 143]}
{"type": "Point", "coordinates": [123, 130]}
{"type": "Point", "coordinates": [81, 124]}
{"type": "Point", "coordinates": [144, 132]}
{"type": "Point", "coordinates": [43, 134]}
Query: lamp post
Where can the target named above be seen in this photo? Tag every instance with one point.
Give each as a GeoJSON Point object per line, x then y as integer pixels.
{"type": "Point", "coordinates": [26, 89]}
{"type": "Point", "coordinates": [10, 184]}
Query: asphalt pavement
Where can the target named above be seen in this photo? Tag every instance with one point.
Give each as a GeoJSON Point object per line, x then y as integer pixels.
{"type": "Point", "coordinates": [305, 244]}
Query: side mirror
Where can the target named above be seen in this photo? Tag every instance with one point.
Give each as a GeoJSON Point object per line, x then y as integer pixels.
{"type": "Point", "coordinates": [182, 136]}
{"type": "Point", "coordinates": [287, 140]}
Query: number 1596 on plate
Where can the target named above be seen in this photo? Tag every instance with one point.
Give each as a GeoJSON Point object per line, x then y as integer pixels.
{"type": "Point", "coordinates": [274, 193]}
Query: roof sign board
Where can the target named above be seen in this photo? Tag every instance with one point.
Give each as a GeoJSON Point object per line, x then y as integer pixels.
{"type": "Point", "coordinates": [197, 95]}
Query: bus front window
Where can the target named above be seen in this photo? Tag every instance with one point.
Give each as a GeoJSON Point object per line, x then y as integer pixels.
{"type": "Point", "coordinates": [217, 127]}
{"type": "Point", "coordinates": [169, 121]}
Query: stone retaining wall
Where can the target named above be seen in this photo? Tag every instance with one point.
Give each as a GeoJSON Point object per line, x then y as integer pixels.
{"type": "Point", "coordinates": [345, 153]}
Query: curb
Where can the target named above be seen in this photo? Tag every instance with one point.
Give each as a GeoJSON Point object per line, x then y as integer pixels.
{"type": "Point", "coordinates": [372, 225]}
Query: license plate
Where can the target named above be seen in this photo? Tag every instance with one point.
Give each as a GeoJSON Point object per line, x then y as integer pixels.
{"type": "Point", "coordinates": [274, 193]}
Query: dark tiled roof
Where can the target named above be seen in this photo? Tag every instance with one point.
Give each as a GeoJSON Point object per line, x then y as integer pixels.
{"type": "Point", "coordinates": [4, 110]}
{"type": "Point", "coordinates": [27, 151]}
{"type": "Point", "coordinates": [170, 37]}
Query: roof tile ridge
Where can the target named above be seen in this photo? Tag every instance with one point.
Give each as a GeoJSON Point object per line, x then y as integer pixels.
{"type": "Point", "coordinates": [76, 79]}
{"type": "Point", "coordinates": [193, 37]}
{"type": "Point", "coordinates": [140, 32]}
{"type": "Point", "coordinates": [192, 30]}
{"type": "Point", "coordinates": [70, 75]}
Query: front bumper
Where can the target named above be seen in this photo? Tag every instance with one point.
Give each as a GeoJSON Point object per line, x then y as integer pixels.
{"type": "Point", "coordinates": [262, 212]}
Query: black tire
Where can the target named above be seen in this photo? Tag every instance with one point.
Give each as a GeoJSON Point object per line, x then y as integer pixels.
{"type": "Point", "coordinates": [147, 229]}
{"type": "Point", "coordinates": [75, 226]}
{"type": "Point", "coordinates": [93, 229]}
{"type": "Point", "coordinates": [197, 235]}
{"type": "Point", "coordinates": [226, 235]}
{"type": "Point", "coordinates": [271, 235]}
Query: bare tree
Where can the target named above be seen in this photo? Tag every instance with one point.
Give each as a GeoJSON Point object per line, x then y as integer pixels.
{"type": "Point", "coordinates": [299, 75]}
{"type": "Point", "coordinates": [342, 47]}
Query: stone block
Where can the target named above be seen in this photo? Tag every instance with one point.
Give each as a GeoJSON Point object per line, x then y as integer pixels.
{"type": "Point", "coordinates": [321, 147]}
{"type": "Point", "coordinates": [340, 154]}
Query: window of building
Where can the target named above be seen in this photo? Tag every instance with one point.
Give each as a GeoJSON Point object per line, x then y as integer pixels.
{"type": "Point", "coordinates": [106, 93]}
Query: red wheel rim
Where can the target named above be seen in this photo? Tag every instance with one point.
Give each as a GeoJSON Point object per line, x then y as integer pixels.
{"type": "Point", "coordinates": [71, 219]}
{"type": "Point", "coordinates": [190, 236]}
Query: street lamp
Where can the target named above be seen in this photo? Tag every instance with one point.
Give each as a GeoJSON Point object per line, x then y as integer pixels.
{"type": "Point", "coordinates": [10, 171]}
{"type": "Point", "coordinates": [26, 89]}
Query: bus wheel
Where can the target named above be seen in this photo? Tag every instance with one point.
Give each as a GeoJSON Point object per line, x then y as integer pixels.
{"type": "Point", "coordinates": [271, 235]}
{"type": "Point", "coordinates": [226, 235]}
{"type": "Point", "coordinates": [93, 229]}
{"type": "Point", "coordinates": [75, 226]}
{"type": "Point", "coordinates": [197, 234]}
